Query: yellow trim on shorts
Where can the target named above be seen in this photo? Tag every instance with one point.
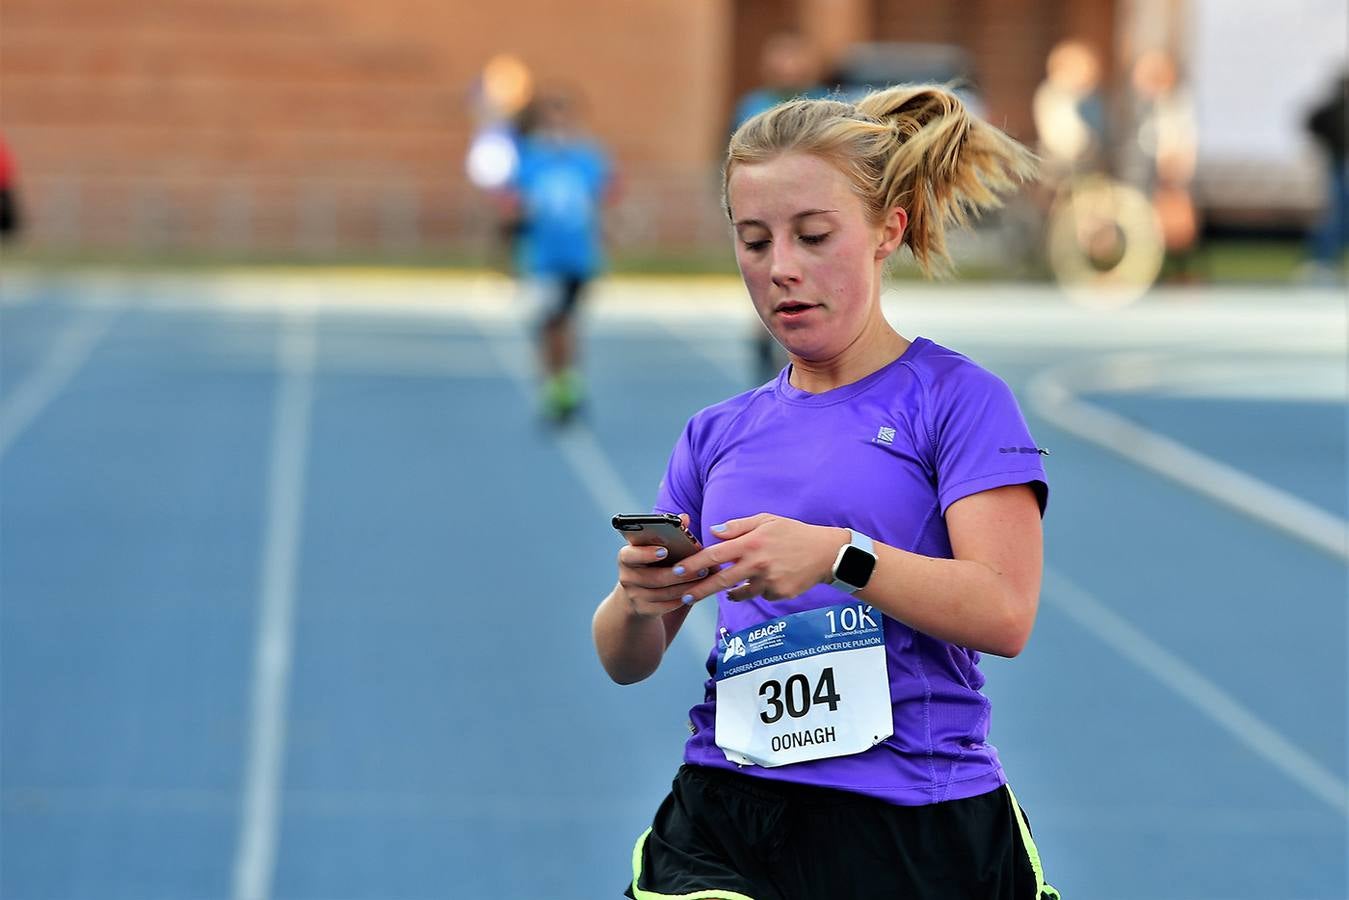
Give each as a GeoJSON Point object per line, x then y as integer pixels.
{"type": "Point", "coordinates": [652, 895]}
{"type": "Point", "coordinates": [1043, 891]}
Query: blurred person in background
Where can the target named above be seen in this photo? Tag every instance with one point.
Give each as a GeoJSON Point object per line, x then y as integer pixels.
{"type": "Point", "coordinates": [499, 100]}
{"type": "Point", "coordinates": [1069, 113]}
{"type": "Point", "coordinates": [557, 193]}
{"type": "Point", "coordinates": [1166, 152]}
{"type": "Point", "coordinates": [11, 219]}
{"type": "Point", "coordinates": [871, 523]}
{"type": "Point", "coordinates": [1078, 227]}
{"type": "Point", "coordinates": [1329, 238]}
{"type": "Point", "coordinates": [510, 216]}
{"type": "Point", "coordinates": [789, 67]}
{"type": "Point", "coordinates": [1093, 232]}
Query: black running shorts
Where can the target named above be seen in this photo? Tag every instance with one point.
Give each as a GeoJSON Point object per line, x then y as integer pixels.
{"type": "Point", "coordinates": [562, 294]}
{"type": "Point", "coordinates": [724, 836]}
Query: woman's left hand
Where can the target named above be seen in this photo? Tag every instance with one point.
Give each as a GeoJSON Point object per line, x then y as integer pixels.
{"type": "Point", "coordinates": [770, 556]}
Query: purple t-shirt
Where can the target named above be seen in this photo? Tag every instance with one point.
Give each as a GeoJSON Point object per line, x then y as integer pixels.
{"type": "Point", "coordinates": [886, 456]}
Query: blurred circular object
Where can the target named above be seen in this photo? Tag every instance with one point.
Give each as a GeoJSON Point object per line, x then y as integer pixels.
{"type": "Point", "coordinates": [507, 84]}
{"type": "Point", "coordinates": [1105, 243]}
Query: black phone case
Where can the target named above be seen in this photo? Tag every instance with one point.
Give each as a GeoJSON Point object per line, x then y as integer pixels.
{"type": "Point", "coordinates": [668, 531]}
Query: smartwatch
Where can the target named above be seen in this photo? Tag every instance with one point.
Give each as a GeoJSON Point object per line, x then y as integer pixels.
{"type": "Point", "coordinates": [854, 564]}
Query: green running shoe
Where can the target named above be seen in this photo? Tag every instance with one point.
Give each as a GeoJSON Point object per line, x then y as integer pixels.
{"type": "Point", "coordinates": [562, 396]}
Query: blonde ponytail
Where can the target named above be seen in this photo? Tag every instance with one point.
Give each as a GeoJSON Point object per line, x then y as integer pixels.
{"type": "Point", "coordinates": [912, 146]}
{"type": "Point", "coordinates": [948, 165]}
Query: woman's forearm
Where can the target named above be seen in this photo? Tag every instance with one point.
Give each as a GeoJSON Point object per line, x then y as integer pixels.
{"type": "Point", "coordinates": [630, 647]}
{"type": "Point", "coordinates": [961, 601]}
{"type": "Point", "coordinates": [984, 598]}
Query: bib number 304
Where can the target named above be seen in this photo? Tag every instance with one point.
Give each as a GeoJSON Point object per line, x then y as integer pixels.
{"type": "Point", "coordinates": [810, 685]}
{"type": "Point", "coordinates": [796, 696]}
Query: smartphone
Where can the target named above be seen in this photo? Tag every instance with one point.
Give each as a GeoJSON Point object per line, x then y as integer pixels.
{"type": "Point", "coordinates": [645, 529]}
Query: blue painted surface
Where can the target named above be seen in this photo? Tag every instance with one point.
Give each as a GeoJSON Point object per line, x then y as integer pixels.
{"type": "Point", "coordinates": [128, 571]}
{"type": "Point", "coordinates": [449, 732]}
{"type": "Point", "coordinates": [1256, 611]}
{"type": "Point", "coordinates": [32, 317]}
{"type": "Point", "coordinates": [1298, 446]}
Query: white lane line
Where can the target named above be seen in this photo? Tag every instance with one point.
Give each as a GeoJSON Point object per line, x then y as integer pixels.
{"type": "Point", "coordinates": [58, 368]}
{"type": "Point", "coordinates": [1210, 700]}
{"type": "Point", "coordinates": [578, 443]}
{"type": "Point", "coordinates": [1051, 398]}
{"type": "Point", "coordinates": [593, 466]}
{"type": "Point", "coordinates": [255, 860]}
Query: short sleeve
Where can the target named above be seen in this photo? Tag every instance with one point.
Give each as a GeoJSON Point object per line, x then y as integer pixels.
{"type": "Point", "coordinates": [980, 438]}
{"type": "Point", "coordinates": [681, 488]}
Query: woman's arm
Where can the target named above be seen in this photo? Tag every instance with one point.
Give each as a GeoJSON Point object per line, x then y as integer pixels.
{"type": "Point", "coordinates": [638, 620]}
{"type": "Point", "coordinates": [987, 596]}
{"type": "Point", "coordinates": [630, 645]}
{"type": "Point", "coordinates": [984, 599]}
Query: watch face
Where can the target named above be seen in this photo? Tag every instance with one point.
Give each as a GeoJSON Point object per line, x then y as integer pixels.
{"type": "Point", "coordinates": [855, 567]}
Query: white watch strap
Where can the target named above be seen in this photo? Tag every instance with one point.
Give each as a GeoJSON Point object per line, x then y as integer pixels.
{"type": "Point", "coordinates": [860, 541]}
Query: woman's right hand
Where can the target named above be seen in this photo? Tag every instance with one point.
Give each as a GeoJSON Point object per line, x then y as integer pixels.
{"type": "Point", "coordinates": [651, 587]}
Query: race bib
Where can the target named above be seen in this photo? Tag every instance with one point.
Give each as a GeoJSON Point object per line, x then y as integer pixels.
{"type": "Point", "coordinates": [806, 686]}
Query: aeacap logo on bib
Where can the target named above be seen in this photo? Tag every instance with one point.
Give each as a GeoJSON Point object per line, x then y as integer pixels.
{"type": "Point", "coordinates": [766, 637]}
{"type": "Point", "coordinates": [763, 637]}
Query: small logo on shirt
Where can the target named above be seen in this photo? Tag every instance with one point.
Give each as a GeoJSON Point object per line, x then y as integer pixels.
{"type": "Point", "coordinates": [885, 435]}
{"type": "Point", "coordinates": [1038, 450]}
{"type": "Point", "coordinates": [734, 647]}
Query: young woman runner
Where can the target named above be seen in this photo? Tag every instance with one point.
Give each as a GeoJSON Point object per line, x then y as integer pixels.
{"type": "Point", "coordinates": [871, 524]}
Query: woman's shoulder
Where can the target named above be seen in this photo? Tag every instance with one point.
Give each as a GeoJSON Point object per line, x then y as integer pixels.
{"type": "Point", "coordinates": [713, 422]}
{"type": "Point", "coordinates": [944, 369]}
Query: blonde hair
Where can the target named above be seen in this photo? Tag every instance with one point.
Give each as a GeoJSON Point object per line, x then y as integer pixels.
{"type": "Point", "coordinates": [912, 146]}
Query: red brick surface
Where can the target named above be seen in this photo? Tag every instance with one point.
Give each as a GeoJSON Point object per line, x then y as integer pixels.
{"type": "Point", "coordinates": [342, 124]}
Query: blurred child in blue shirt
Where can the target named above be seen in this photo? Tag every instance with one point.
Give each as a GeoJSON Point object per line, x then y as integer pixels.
{"type": "Point", "coordinates": [563, 181]}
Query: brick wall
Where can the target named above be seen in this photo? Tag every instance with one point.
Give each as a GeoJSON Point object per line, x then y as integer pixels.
{"type": "Point", "coordinates": [332, 125]}
{"type": "Point", "coordinates": [1007, 39]}
{"type": "Point", "coordinates": [337, 126]}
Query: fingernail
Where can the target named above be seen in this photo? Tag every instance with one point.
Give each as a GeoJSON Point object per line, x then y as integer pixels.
{"type": "Point", "coordinates": [719, 528]}
{"type": "Point", "coordinates": [702, 573]}
{"type": "Point", "coordinates": [686, 599]}
{"type": "Point", "coordinates": [679, 570]}
{"type": "Point", "coordinates": [661, 553]}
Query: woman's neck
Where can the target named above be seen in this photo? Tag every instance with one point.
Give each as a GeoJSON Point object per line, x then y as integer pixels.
{"type": "Point", "coordinates": [875, 348]}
